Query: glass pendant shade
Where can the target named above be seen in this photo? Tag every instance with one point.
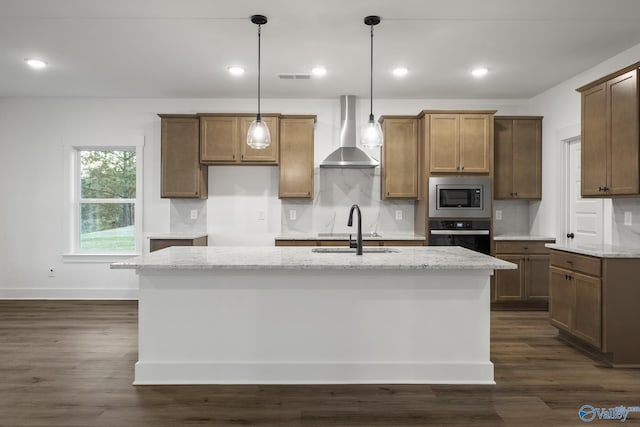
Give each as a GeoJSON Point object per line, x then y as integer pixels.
{"type": "Point", "coordinates": [371, 135]}
{"type": "Point", "coordinates": [258, 136]}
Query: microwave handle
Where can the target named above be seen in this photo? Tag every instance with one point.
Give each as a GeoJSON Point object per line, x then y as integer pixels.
{"type": "Point", "coordinates": [461, 232]}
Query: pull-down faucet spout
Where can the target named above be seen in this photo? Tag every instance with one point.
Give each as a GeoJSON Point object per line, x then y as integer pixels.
{"type": "Point", "coordinates": [358, 243]}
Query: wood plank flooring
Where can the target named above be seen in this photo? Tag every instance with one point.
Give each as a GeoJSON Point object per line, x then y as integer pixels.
{"type": "Point", "coordinates": [70, 363]}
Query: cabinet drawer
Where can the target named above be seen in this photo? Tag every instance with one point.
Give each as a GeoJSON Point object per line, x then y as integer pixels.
{"type": "Point", "coordinates": [575, 262]}
{"type": "Point", "coordinates": [521, 247]}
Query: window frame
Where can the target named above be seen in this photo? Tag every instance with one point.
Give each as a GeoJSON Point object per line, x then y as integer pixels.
{"type": "Point", "coordinates": [72, 200]}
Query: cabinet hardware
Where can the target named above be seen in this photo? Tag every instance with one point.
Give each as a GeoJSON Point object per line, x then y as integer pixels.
{"type": "Point", "coordinates": [241, 156]}
{"type": "Point", "coordinates": [605, 189]}
{"type": "Point", "coordinates": [462, 167]}
{"type": "Point", "coordinates": [233, 156]}
{"type": "Point", "coordinates": [516, 194]}
{"type": "Point", "coordinates": [511, 194]}
{"type": "Point", "coordinates": [526, 248]}
{"type": "Point", "coordinates": [570, 236]}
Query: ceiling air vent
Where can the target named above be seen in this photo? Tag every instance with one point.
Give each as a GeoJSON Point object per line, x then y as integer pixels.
{"type": "Point", "coordinates": [294, 76]}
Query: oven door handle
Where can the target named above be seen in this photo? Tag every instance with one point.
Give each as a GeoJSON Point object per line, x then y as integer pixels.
{"type": "Point", "coordinates": [460, 232]}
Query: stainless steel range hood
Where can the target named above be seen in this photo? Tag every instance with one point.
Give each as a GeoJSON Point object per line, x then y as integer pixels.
{"type": "Point", "coordinates": [348, 155]}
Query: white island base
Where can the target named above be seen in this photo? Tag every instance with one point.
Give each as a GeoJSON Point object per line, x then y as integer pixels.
{"type": "Point", "coordinates": [320, 326]}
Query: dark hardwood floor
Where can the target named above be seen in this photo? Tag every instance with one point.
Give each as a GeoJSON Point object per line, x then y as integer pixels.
{"type": "Point", "coordinates": [70, 363]}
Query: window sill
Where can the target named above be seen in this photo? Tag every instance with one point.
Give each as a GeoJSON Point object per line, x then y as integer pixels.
{"type": "Point", "coordinates": [96, 258]}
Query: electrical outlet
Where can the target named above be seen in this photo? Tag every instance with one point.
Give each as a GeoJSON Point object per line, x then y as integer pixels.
{"type": "Point", "coordinates": [194, 214]}
{"type": "Point", "coordinates": [51, 272]}
{"type": "Point", "coordinates": [293, 214]}
{"type": "Point", "coordinates": [398, 215]}
{"type": "Point", "coordinates": [261, 215]}
{"type": "Point", "coordinates": [498, 215]}
{"type": "Point", "coordinates": [627, 218]}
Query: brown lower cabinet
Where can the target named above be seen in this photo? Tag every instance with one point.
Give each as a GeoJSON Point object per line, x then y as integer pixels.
{"type": "Point", "coordinates": [594, 304]}
{"type": "Point", "coordinates": [528, 286]}
{"type": "Point", "coordinates": [155, 244]}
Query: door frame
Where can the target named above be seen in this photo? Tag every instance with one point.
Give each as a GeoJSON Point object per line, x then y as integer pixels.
{"type": "Point", "coordinates": [567, 136]}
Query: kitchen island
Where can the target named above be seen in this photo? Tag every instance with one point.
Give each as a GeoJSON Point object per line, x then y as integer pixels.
{"type": "Point", "coordinates": [288, 315]}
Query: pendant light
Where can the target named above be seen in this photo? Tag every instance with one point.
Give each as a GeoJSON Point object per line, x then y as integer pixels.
{"type": "Point", "coordinates": [371, 135]}
{"type": "Point", "coordinates": [258, 136]}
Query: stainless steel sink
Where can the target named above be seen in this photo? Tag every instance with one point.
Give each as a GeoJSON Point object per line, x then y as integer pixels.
{"type": "Point", "coordinates": [346, 235]}
{"type": "Point", "coordinates": [366, 249]}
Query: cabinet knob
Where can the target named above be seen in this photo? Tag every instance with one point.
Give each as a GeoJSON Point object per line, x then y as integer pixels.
{"type": "Point", "coordinates": [462, 167]}
{"type": "Point", "coordinates": [605, 189]}
{"type": "Point", "coordinates": [242, 157]}
{"type": "Point", "coordinates": [515, 194]}
{"type": "Point", "coordinates": [526, 248]}
{"type": "Point", "coordinates": [308, 193]}
{"type": "Point", "coordinates": [233, 156]}
{"type": "Point", "coordinates": [570, 236]}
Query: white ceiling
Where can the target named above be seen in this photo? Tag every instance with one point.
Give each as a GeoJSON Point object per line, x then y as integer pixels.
{"type": "Point", "coordinates": [180, 49]}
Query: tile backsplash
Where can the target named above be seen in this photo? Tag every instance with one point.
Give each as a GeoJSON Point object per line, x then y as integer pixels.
{"type": "Point", "coordinates": [336, 191]}
{"type": "Point", "coordinates": [515, 217]}
{"type": "Point", "coordinates": [180, 216]}
{"type": "Point", "coordinates": [626, 235]}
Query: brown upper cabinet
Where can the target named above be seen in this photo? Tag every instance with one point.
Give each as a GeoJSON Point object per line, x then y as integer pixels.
{"type": "Point", "coordinates": [296, 157]}
{"type": "Point", "coordinates": [460, 142]}
{"type": "Point", "coordinates": [223, 140]}
{"type": "Point", "coordinates": [518, 157]}
{"type": "Point", "coordinates": [610, 135]}
{"type": "Point", "coordinates": [182, 174]}
{"type": "Point", "coordinates": [400, 157]}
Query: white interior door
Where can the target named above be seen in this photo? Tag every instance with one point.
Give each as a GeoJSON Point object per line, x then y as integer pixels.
{"type": "Point", "coordinates": [585, 224]}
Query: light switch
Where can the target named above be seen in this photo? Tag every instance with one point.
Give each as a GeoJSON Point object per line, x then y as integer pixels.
{"type": "Point", "coordinates": [627, 218]}
{"type": "Point", "coordinates": [194, 214]}
{"type": "Point", "coordinates": [398, 215]}
{"type": "Point", "coordinates": [261, 215]}
{"type": "Point", "coordinates": [498, 215]}
{"type": "Point", "coordinates": [292, 214]}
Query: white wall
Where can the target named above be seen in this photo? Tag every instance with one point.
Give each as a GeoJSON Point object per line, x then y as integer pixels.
{"type": "Point", "coordinates": [31, 180]}
{"type": "Point", "coordinates": [560, 107]}
{"type": "Point", "coordinates": [31, 173]}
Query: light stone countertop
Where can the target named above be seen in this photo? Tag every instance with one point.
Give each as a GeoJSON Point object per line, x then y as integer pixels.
{"type": "Point", "coordinates": [600, 251]}
{"type": "Point", "coordinates": [302, 258]}
{"type": "Point", "coordinates": [176, 236]}
{"type": "Point", "coordinates": [345, 236]}
{"type": "Point", "coordinates": [523, 237]}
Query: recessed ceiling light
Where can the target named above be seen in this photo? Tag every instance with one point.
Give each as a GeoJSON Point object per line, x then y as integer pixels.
{"type": "Point", "coordinates": [319, 71]}
{"type": "Point", "coordinates": [480, 72]}
{"type": "Point", "coordinates": [235, 70]}
{"type": "Point", "coordinates": [35, 63]}
{"type": "Point", "coordinates": [400, 72]}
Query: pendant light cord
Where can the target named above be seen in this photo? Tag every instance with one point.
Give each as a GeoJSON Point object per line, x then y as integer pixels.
{"type": "Point", "coordinates": [258, 118]}
{"type": "Point", "coordinates": [371, 79]}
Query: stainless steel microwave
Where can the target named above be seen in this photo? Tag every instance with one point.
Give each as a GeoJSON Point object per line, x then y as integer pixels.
{"type": "Point", "coordinates": [459, 197]}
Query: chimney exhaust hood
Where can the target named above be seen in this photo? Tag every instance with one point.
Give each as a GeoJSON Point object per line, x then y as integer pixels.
{"type": "Point", "coordinates": [348, 155]}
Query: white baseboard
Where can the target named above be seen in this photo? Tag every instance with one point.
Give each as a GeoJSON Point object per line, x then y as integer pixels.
{"type": "Point", "coordinates": [156, 373]}
{"type": "Point", "coordinates": [71, 293]}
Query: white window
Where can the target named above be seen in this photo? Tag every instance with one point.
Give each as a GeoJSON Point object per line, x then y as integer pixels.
{"type": "Point", "coordinates": [104, 198]}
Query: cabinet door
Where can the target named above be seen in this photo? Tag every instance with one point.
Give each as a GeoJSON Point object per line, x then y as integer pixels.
{"type": "Point", "coordinates": [623, 164]}
{"type": "Point", "coordinates": [536, 277]}
{"type": "Point", "coordinates": [444, 143]}
{"type": "Point", "coordinates": [219, 139]}
{"type": "Point", "coordinates": [510, 283]}
{"type": "Point", "coordinates": [400, 158]}
{"type": "Point", "coordinates": [594, 141]}
{"type": "Point", "coordinates": [587, 318]}
{"type": "Point", "coordinates": [296, 158]}
{"type": "Point", "coordinates": [527, 159]}
{"type": "Point", "coordinates": [266, 155]}
{"type": "Point", "coordinates": [475, 143]}
{"type": "Point", "coordinates": [561, 298]}
{"type": "Point", "coordinates": [503, 167]}
{"type": "Point", "coordinates": [182, 174]}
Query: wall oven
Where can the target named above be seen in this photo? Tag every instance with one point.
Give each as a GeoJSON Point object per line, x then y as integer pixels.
{"type": "Point", "coordinates": [470, 234]}
{"type": "Point", "coordinates": [460, 197]}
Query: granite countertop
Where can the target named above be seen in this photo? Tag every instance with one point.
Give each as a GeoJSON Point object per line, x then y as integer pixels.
{"type": "Point", "coordinates": [345, 236]}
{"type": "Point", "coordinates": [178, 236]}
{"type": "Point", "coordinates": [522, 237]}
{"type": "Point", "coordinates": [302, 258]}
{"type": "Point", "coordinates": [600, 251]}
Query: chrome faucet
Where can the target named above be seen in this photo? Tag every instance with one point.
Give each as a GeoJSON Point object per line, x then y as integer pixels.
{"type": "Point", "coordinates": [358, 243]}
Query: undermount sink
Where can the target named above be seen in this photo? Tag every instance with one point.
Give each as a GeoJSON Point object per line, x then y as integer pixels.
{"type": "Point", "coordinates": [353, 251]}
{"type": "Point", "coordinates": [346, 235]}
